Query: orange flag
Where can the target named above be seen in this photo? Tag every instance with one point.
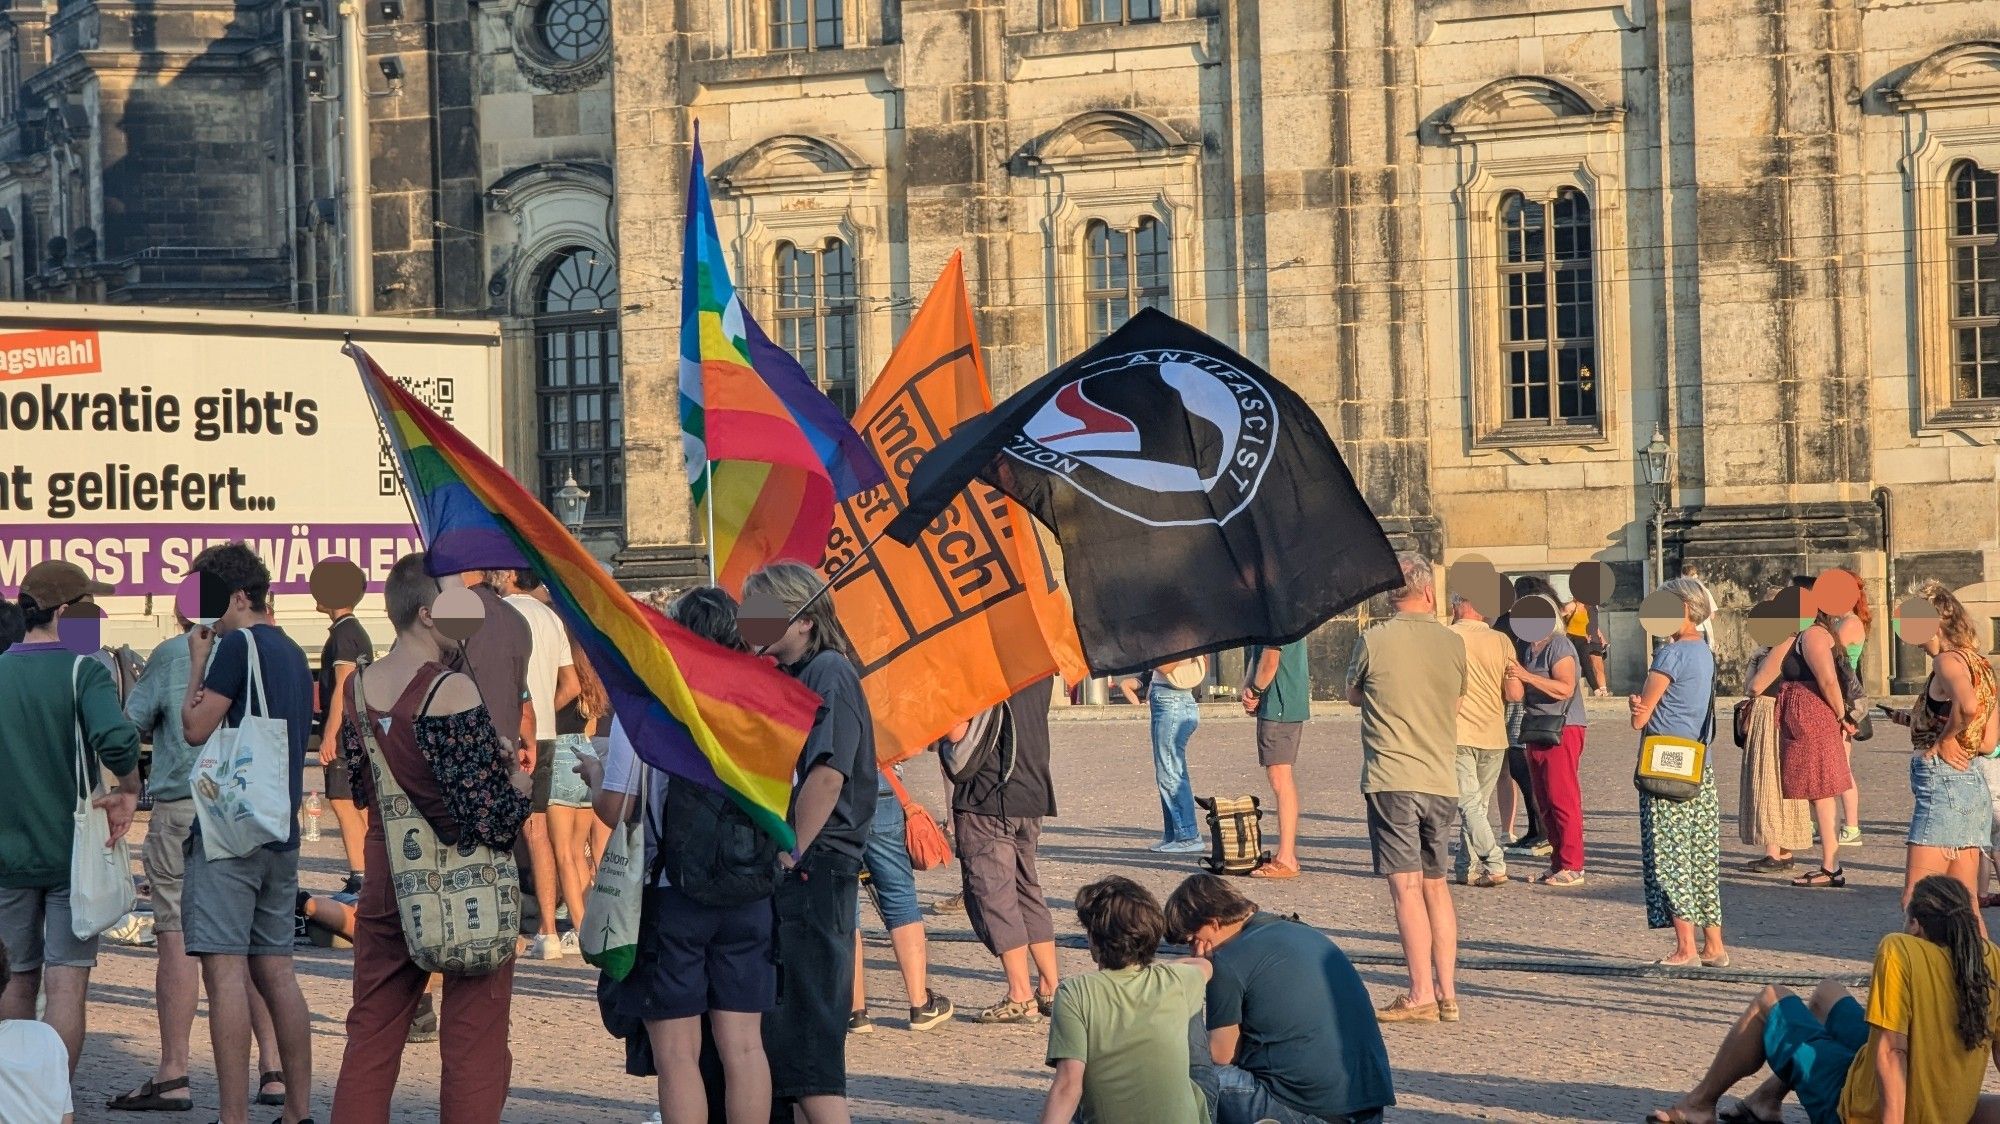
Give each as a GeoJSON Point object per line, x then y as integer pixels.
{"type": "Point", "coordinates": [972, 612]}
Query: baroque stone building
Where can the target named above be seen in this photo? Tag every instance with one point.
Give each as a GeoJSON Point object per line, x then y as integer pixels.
{"type": "Point", "coordinates": [189, 153]}
{"type": "Point", "coordinates": [1498, 244]}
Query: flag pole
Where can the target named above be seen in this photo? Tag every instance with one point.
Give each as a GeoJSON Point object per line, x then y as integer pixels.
{"type": "Point", "coordinates": [708, 501]}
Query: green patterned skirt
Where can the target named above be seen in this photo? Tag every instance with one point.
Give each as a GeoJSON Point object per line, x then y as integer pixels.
{"type": "Point", "coordinates": [1680, 842]}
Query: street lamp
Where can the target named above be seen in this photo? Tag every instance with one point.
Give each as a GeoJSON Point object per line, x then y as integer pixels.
{"type": "Point", "coordinates": [570, 501]}
{"type": "Point", "coordinates": [1658, 457]}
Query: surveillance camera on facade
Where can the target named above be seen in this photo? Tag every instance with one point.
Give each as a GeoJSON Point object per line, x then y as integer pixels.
{"type": "Point", "coordinates": [389, 11]}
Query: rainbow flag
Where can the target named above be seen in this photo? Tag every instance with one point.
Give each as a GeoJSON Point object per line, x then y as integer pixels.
{"type": "Point", "coordinates": [702, 712]}
{"type": "Point", "coordinates": [767, 454]}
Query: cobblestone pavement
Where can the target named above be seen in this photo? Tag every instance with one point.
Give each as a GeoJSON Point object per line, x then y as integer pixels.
{"type": "Point", "coordinates": [1595, 1040]}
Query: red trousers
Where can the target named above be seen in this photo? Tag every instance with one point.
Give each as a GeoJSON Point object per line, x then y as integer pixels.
{"type": "Point", "coordinates": [1559, 795]}
{"type": "Point", "coordinates": [472, 1019]}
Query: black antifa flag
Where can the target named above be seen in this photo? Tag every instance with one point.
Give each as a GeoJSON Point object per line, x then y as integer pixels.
{"type": "Point", "coordinates": [1199, 501]}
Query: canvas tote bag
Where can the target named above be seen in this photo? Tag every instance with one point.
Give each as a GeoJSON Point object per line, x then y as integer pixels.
{"type": "Point", "coordinates": [100, 877]}
{"type": "Point", "coordinates": [242, 779]}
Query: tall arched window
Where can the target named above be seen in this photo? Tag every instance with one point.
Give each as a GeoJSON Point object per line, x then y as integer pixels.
{"type": "Point", "coordinates": [1124, 270]}
{"type": "Point", "coordinates": [580, 408]}
{"type": "Point", "coordinates": [1975, 282]}
{"type": "Point", "coordinates": [1548, 330]}
{"type": "Point", "coordinates": [817, 318]}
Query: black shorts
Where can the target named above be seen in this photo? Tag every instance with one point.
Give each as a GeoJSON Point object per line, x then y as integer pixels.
{"type": "Point", "coordinates": [695, 958]}
{"type": "Point", "coordinates": [544, 776]}
{"type": "Point", "coordinates": [806, 1035]}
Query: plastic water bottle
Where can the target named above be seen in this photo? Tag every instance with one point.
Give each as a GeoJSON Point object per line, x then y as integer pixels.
{"type": "Point", "coordinates": [312, 812]}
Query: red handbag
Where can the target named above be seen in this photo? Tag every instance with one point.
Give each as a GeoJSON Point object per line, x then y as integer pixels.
{"type": "Point", "coordinates": [925, 839]}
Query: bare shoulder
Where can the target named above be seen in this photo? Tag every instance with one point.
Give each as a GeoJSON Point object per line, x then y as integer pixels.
{"type": "Point", "coordinates": [456, 694]}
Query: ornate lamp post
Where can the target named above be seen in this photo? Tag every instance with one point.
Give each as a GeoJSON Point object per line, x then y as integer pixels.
{"type": "Point", "coordinates": [570, 501]}
{"type": "Point", "coordinates": [1658, 458]}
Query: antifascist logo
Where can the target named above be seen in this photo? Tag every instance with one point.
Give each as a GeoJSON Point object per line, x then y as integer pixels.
{"type": "Point", "coordinates": [1166, 437]}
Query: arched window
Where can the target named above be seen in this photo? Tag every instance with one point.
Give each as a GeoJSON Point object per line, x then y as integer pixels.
{"type": "Point", "coordinates": [1975, 282]}
{"type": "Point", "coordinates": [580, 408]}
{"type": "Point", "coordinates": [1124, 270]}
{"type": "Point", "coordinates": [806, 25]}
{"type": "Point", "coordinates": [1548, 330]}
{"type": "Point", "coordinates": [573, 30]}
{"type": "Point", "coordinates": [817, 320]}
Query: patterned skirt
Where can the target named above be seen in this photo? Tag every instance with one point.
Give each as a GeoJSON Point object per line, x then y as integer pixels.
{"type": "Point", "coordinates": [1764, 818]}
{"type": "Point", "coordinates": [1813, 750]}
{"type": "Point", "coordinates": [1680, 847]}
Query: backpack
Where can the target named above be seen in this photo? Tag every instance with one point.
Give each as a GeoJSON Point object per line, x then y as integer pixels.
{"type": "Point", "coordinates": [1235, 834]}
{"type": "Point", "coordinates": [711, 850]}
{"type": "Point", "coordinates": [991, 735]}
{"type": "Point", "coordinates": [460, 905]}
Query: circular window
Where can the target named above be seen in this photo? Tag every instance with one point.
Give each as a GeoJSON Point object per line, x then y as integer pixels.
{"type": "Point", "coordinates": [573, 30]}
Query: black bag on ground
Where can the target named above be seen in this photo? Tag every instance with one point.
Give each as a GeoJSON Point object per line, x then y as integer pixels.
{"type": "Point", "coordinates": [710, 849]}
{"type": "Point", "coordinates": [1235, 834]}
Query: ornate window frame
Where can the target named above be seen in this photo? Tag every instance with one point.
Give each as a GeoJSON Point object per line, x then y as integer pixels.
{"type": "Point", "coordinates": [1950, 103]}
{"type": "Point", "coordinates": [611, 388]}
{"type": "Point", "coordinates": [1536, 136]}
{"type": "Point", "coordinates": [541, 66]}
{"type": "Point", "coordinates": [1116, 166]}
{"type": "Point", "coordinates": [804, 190]}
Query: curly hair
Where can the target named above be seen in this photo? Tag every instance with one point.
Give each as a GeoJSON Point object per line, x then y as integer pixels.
{"type": "Point", "coordinates": [1953, 621]}
{"type": "Point", "coordinates": [237, 569]}
{"type": "Point", "coordinates": [1123, 921]}
{"type": "Point", "coordinates": [1942, 907]}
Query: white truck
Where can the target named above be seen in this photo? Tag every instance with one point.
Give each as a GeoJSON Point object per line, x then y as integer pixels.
{"type": "Point", "coordinates": [132, 438]}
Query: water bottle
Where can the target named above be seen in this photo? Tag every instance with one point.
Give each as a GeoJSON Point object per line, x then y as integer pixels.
{"type": "Point", "coordinates": [312, 810]}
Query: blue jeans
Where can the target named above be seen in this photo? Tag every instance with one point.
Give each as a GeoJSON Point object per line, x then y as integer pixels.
{"type": "Point", "coordinates": [1175, 716]}
{"type": "Point", "coordinates": [1235, 1096]}
{"type": "Point", "coordinates": [886, 854]}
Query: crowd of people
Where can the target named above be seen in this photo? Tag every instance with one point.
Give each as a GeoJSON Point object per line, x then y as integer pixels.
{"type": "Point", "coordinates": [496, 744]}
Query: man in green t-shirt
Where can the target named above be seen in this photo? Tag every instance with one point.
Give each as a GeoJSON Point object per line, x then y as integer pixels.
{"type": "Point", "coordinates": [1279, 693]}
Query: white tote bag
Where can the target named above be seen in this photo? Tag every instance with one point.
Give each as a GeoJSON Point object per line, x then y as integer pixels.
{"type": "Point", "coordinates": [100, 877]}
{"type": "Point", "coordinates": [242, 779]}
{"type": "Point", "coordinates": [610, 938]}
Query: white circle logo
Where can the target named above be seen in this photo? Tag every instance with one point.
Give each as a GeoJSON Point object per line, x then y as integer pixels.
{"type": "Point", "coordinates": [1169, 438]}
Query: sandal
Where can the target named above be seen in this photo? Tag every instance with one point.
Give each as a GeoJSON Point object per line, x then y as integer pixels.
{"type": "Point", "coordinates": [1833, 879]}
{"type": "Point", "coordinates": [270, 1077]}
{"type": "Point", "coordinates": [1741, 1114]}
{"type": "Point", "coordinates": [147, 1098]}
{"type": "Point", "coordinates": [1275, 870]}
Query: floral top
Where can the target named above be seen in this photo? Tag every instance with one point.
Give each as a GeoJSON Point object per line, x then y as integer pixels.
{"type": "Point", "coordinates": [1929, 716]}
{"type": "Point", "coordinates": [470, 776]}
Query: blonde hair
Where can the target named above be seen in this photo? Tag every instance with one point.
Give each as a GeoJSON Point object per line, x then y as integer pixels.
{"type": "Point", "coordinates": [1954, 623]}
{"type": "Point", "coordinates": [1690, 594]}
{"type": "Point", "coordinates": [793, 585]}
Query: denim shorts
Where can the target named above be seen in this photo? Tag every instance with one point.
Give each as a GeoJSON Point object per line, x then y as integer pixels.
{"type": "Point", "coordinates": [1954, 809]}
{"type": "Point", "coordinates": [566, 788]}
{"type": "Point", "coordinates": [892, 881]}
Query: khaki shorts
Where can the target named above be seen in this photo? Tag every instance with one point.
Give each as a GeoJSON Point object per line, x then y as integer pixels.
{"type": "Point", "coordinates": [165, 860]}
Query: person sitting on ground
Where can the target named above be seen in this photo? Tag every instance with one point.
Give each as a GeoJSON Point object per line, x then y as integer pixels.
{"type": "Point", "coordinates": [1288, 1024]}
{"type": "Point", "coordinates": [1122, 1039]}
{"type": "Point", "coordinates": [34, 1068]}
{"type": "Point", "coordinates": [1915, 1055]}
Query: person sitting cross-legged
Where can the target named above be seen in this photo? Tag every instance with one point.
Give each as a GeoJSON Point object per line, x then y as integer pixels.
{"type": "Point", "coordinates": [1915, 1055]}
{"type": "Point", "coordinates": [1289, 1027]}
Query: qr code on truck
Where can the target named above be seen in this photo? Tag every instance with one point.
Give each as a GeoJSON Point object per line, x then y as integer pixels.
{"type": "Point", "coordinates": [440, 393]}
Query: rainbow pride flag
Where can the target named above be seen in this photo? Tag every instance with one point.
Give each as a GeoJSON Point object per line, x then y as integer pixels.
{"type": "Point", "coordinates": [768, 455]}
{"type": "Point", "coordinates": [702, 712]}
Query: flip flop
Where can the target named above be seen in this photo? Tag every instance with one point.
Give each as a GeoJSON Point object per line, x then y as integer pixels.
{"type": "Point", "coordinates": [270, 1077]}
{"type": "Point", "coordinates": [1274, 870]}
{"type": "Point", "coordinates": [147, 1098]}
{"type": "Point", "coordinates": [1742, 1115]}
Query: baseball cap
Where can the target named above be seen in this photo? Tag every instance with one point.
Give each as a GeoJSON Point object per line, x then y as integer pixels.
{"type": "Point", "coordinates": [54, 583]}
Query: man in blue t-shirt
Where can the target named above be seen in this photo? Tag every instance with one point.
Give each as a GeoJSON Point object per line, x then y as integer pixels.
{"type": "Point", "coordinates": [237, 913]}
{"type": "Point", "coordinates": [1291, 1029]}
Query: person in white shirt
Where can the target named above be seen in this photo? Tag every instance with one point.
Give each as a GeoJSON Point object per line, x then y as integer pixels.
{"type": "Point", "coordinates": [34, 1068]}
{"type": "Point", "coordinates": [552, 683]}
{"type": "Point", "coordinates": [1692, 571]}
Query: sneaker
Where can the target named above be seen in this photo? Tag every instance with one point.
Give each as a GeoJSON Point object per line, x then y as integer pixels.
{"type": "Point", "coordinates": [424, 1028]}
{"type": "Point", "coordinates": [570, 945]}
{"type": "Point", "coordinates": [546, 946]}
{"type": "Point", "coordinates": [1009, 1011]}
{"type": "Point", "coordinates": [1179, 847]}
{"type": "Point", "coordinates": [937, 1010]}
{"type": "Point", "coordinates": [1850, 836]}
{"type": "Point", "coordinates": [952, 904]}
{"type": "Point", "coordinates": [1530, 848]}
{"type": "Point", "coordinates": [858, 1022]}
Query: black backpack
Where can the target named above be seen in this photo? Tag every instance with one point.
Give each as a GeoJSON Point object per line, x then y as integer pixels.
{"type": "Point", "coordinates": [710, 849]}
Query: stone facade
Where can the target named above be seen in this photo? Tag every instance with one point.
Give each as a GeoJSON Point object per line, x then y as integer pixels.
{"type": "Point", "coordinates": [190, 154]}
{"type": "Point", "coordinates": [1761, 272]}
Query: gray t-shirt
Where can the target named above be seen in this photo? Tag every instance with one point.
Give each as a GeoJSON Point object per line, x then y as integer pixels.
{"type": "Point", "coordinates": [844, 740]}
{"type": "Point", "coordinates": [1542, 661]}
